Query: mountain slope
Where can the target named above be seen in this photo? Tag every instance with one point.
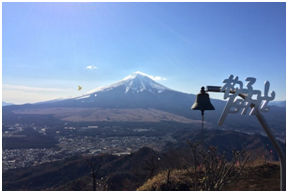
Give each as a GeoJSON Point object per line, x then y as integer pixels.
{"type": "Point", "coordinates": [278, 103]}
{"type": "Point", "coordinates": [6, 104]}
{"type": "Point", "coordinates": [135, 82]}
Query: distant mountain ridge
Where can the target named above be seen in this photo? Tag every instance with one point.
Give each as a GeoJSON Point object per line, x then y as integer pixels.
{"type": "Point", "coordinates": [278, 103]}
{"type": "Point", "coordinates": [6, 104]}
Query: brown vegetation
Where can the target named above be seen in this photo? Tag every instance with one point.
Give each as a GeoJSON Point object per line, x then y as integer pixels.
{"type": "Point", "coordinates": [256, 176]}
{"type": "Point", "coordinates": [109, 115]}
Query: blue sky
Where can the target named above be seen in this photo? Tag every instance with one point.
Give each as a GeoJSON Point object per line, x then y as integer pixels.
{"type": "Point", "coordinates": [48, 49]}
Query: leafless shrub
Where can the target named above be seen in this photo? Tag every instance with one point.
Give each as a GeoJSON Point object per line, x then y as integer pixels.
{"type": "Point", "coordinates": [151, 165]}
{"type": "Point", "coordinates": [211, 170]}
{"type": "Point", "coordinates": [95, 162]}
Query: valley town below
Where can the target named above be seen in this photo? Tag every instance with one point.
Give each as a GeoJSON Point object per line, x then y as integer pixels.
{"type": "Point", "coordinates": [74, 144]}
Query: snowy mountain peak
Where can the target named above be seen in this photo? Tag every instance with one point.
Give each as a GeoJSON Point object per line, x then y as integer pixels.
{"type": "Point", "coordinates": [135, 83]}
{"type": "Point", "coordinates": [136, 74]}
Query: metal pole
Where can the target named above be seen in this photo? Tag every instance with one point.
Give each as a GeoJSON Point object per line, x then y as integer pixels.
{"type": "Point", "coordinates": [277, 147]}
{"type": "Point", "coordinates": [269, 133]}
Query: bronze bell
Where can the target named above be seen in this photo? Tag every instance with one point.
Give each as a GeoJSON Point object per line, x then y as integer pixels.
{"type": "Point", "coordinates": [202, 102]}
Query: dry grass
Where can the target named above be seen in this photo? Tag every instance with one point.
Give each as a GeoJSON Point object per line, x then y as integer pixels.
{"type": "Point", "coordinates": [177, 179]}
{"type": "Point", "coordinates": [256, 176]}
{"type": "Point", "coordinates": [260, 162]}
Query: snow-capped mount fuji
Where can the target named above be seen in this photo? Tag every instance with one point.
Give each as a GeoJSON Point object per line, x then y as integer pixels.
{"type": "Point", "coordinates": [135, 95]}
{"type": "Point", "coordinates": [123, 93]}
{"type": "Point", "coordinates": [135, 90]}
{"type": "Point", "coordinates": [135, 83]}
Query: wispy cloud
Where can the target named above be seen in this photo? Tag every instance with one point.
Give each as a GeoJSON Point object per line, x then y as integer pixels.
{"type": "Point", "coordinates": [157, 77]}
{"type": "Point", "coordinates": [150, 76]}
{"type": "Point", "coordinates": [91, 67]}
{"type": "Point", "coordinates": [26, 88]}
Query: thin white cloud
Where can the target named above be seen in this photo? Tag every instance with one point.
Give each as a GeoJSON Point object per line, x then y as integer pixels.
{"type": "Point", "coordinates": [143, 74]}
{"type": "Point", "coordinates": [157, 78]}
{"type": "Point", "coordinates": [24, 94]}
{"type": "Point", "coordinates": [91, 67]}
{"type": "Point", "coordinates": [26, 88]}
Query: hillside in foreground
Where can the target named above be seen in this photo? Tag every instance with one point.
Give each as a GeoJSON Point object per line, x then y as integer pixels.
{"type": "Point", "coordinates": [255, 177]}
